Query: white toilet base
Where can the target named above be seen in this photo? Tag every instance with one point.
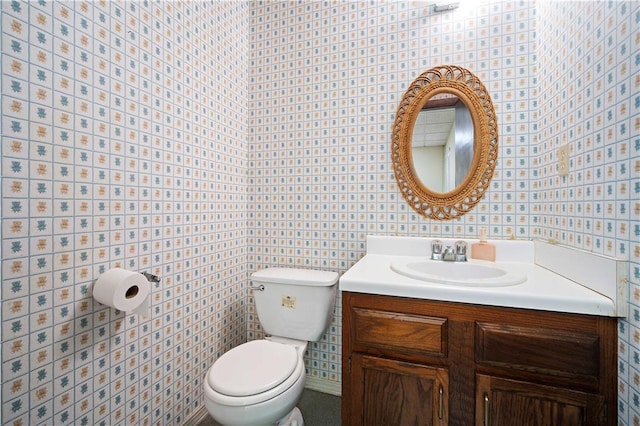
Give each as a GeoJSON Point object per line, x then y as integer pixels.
{"type": "Point", "coordinates": [294, 418]}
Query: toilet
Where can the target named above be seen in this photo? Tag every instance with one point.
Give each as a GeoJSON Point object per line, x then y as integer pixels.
{"type": "Point", "coordinates": [260, 382]}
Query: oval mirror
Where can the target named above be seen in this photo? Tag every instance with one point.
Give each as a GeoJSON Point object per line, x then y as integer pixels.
{"type": "Point", "coordinates": [445, 142]}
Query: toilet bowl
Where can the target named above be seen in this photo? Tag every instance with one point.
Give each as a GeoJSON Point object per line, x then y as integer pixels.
{"type": "Point", "coordinates": [261, 381]}
{"type": "Point", "coordinates": [257, 383]}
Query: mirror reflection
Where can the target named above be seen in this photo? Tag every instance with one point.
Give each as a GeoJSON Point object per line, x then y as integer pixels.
{"type": "Point", "coordinates": [442, 143]}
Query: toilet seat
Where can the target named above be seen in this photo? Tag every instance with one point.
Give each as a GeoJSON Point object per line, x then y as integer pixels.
{"type": "Point", "coordinates": [254, 372]}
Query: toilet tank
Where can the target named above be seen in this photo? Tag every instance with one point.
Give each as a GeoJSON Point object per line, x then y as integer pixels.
{"type": "Point", "coordinates": [294, 303]}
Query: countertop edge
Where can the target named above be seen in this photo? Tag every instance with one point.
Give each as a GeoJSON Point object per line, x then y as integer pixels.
{"type": "Point", "coordinates": [554, 292]}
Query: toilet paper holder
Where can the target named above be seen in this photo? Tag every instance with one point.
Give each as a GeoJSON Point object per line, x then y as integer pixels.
{"type": "Point", "coordinates": [150, 277]}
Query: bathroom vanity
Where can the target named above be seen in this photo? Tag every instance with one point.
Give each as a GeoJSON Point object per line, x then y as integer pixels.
{"type": "Point", "coordinates": [540, 352]}
{"type": "Point", "coordinates": [409, 361]}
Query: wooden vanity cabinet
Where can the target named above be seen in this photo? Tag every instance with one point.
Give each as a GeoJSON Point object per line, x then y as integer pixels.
{"type": "Point", "coordinates": [421, 362]}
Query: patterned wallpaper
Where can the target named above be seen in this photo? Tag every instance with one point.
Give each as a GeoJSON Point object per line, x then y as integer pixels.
{"type": "Point", "coordinates": [327, 79]}
{"type": "Point", "coordinates": [202, 141]}
{"type": "Point", "coordinates": [589, 98]}
{"type": "Point", "coordinates": [124, 143]}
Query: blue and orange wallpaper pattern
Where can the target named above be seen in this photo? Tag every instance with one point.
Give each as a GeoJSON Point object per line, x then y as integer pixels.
{"type": "Point", "coordinates": [124, 143]}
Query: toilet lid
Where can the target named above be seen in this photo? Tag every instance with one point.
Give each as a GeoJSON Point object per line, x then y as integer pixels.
{"type": "Point", "coordinates": [253, 367]}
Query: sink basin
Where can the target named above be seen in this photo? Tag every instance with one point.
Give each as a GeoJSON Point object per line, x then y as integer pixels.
{"type": "Point", "coordinates": [470, 273]}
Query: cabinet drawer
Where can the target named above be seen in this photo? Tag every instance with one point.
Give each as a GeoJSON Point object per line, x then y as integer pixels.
{"type": "Point", "coordinates": [406, 333]}
{"type": "Point", "coordinates": [541, 350]}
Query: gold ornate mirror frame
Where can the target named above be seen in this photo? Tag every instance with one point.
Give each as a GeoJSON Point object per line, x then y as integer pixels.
{"type": "Point", "coordinates": [463, 83]}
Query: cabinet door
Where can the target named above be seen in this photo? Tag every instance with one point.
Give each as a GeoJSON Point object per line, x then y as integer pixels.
{"type": "Point", "coordinates": [503, 402]}
{"type": "Point", "coordinates": [389, 392]}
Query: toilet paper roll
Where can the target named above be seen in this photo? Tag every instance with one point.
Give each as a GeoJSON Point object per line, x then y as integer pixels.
{"type": "Point", "coordinates": [124, 290]}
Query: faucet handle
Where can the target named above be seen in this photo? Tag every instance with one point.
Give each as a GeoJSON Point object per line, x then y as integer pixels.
{"type": "Point", "coordinates": [436, 250]}
{"type": "Point", "coordinates": [461, 247]}
{"type": "Point", "coordinates": [461, 251]}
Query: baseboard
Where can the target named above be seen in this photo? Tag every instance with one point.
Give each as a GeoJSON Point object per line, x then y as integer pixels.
{"type": "Point", "coordinates": [324, 385]}
{"type": "Point", "coordinates": [197, 417]}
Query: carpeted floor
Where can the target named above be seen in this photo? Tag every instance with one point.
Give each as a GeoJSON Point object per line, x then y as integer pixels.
{"type": "Point", "coordinates": [318, 409]}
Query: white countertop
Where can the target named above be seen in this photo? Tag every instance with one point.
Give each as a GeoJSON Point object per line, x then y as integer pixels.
{"type": "Point", "coordinates": [543, 289]}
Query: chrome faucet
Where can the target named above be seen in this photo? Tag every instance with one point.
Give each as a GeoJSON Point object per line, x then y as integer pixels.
{"type": "Point", "coordinates": [457, 253]}
{"type": "Point", "coordinates": [449, 254]}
